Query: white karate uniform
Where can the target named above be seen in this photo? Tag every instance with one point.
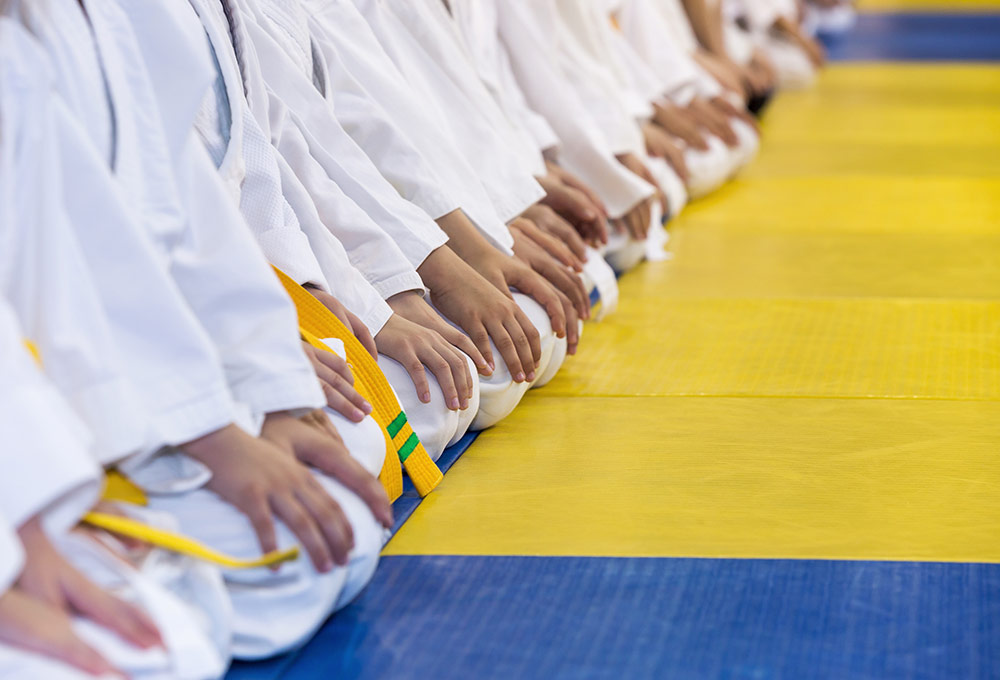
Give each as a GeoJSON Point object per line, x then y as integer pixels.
{"type": "Point", "coordinates": [39, 428]}
{"type": "Point", "coordinates": [58, 482]}
{"type": "Point", "coordinates": [384, 114]}
{"type": "Point", "coordinates": [303, 248]}
{"type": "Point", "coordinates": [595, 71]}
{"type": "Point", "coordinates": [305, 143]}
{"type": "Point", "coordinates": [197, 237]}
{"type": "Point", "coordinates": [526, 30]}
{"type": "Point", "coordinates": [425, 46]}
{"type": "Point", "coordinates": [794, 70]}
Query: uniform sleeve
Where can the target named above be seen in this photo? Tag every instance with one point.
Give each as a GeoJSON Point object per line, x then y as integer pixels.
{"type": "Point", "coordinates": [650, 35]}
{"type": "Point", "coordinates": [42, 271]}
{"type": "Point", "coordinates": [346, 283]}
{"type": "Point", "coordinates": [213, 258]}
{"type": "Point", "coordinates": [271, 219]}
{"type": "Point", "coordinates": [227, 282]}
{"type": "Point", "coordinates": [372, 252]}
{"type": "Point", "coordinates": [166, 352]}
{"type": "Point", "coordinates": [397, 159]}
{"type": "Point", "coordinates": [590, 70]}
{"type": "Point", "coordinates": [421, 39]}
{"type": "Point", "coordinates": [48, 469]}
{"type": "Point", "coordinates": [322, 154]}
{"type": "Point", "coordinates": [585, 149]}
{"type": "Point", "coordinates": [343, 35]}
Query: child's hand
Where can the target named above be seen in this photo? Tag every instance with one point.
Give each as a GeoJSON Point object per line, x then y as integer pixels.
{"type": "Point", "coordinates": [356, 326]}
{"type": "Point", "coordinates": [263, 481]}
{"type": "Point", "coordinates": [416, 347]}
{"type": "Point", "coordinates": [50, 579]}
{"type": "Point", "coordinates": [34, 626]}
{"type": "Point", "coordinates": [337, 382]}
{"type": "Point", "coordinates": [639, 168]}
{"type": "Point", "coordinates": [659, 144]}
{"type": "Point", "coordinates": [564, 281]}
{"type": "Point", "coordinates": [477, 305]}
{"type": "Point", "coordinates": [327, 454]}
{"type": "Point", "coordinates": [556, 235]}
{"type": "Point", "coordinates": [575, 205]}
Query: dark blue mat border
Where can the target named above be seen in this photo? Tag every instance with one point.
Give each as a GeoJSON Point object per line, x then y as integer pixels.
{"type": "Point", "coordinates": [920, 37]}
{"type": "Point", "coordinates": [596, 618]}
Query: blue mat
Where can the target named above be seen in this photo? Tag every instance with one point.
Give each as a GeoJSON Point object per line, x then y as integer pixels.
{"type": "Point", "coordinates": [920, 37]}
{"type": "Point", "coordinates": [617, 618]}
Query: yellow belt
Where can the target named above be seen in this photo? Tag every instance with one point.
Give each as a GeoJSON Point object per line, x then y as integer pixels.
{"type": "Point", "coordinates": [316, 323]}
{"type": "Point", "coordinates": [118, 488]}
{"type": "Point", "coordinates": [167, 540]}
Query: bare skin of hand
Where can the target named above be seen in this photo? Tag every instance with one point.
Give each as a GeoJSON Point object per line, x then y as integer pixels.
{"type": "Point", "coordinates": [325, 451]}
{"type": "Point", "coordinates": [659, 144]}
{"type": "Point", "coordinates": [359, 329]}
{"type": "Point", "coordinates": [418, 345]}
{"type": "Point", "coordinates": [813, 49]}
{"type": "Point", "coordinates": [411, 306]}
{"type": "Point", "coordinates": [50, 580]}
{"type": "Point", "coordinates": [679, 123]}
{"type": "Point", "coordinates": [636, 221]}
{"type": "Point", "coordinates": [756, 81]}
{"type": "Point", "coordinates": [337, 381]}
{"type": "Point", "coordinates": [485, 311]}
{"type": "Point", "coordinates": [714, 121]}
{"type": "Point", "coordinates": [571, 180]}
{"type": "Point", "coordinates": [318, 419]}
{"type": "Point", "coordinates": [419, 350]}
{"type": "Point", "coordinates": [505, 273]}
{"type": "Point", "coordinates": [562, 279]}
{"type": "Point", "coordinates": [576, 204]}
{"type": "Point", "coordinates": [764, 68]}
{"type": "Point", "coordinates": [636, 165]}
{"type": "Point", "coordinates": [530, 240]}
{"type": "Point", "coordinates": [264, 482]}
{"type": "Point", "coordinates": [556, 236]}
{"type": "Point", "coordinates": [34, 626]}
{"type": "Point", "coordinates": [726, 72]}
{"type": "Point", "coordinates": [728, 109]}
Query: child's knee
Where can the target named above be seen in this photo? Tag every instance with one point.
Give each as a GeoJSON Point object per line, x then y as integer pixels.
{"type": "Point", "coordinates": [708, 169]}
{"type": "Point", "coordinates": [466, 416]}
{"type": "Point", "coordinates": [363, 440]}
{"type": "Point", "coordinates": [434, 423]}
{"type": "Point", "coordinates": [499, 395]}
{"type": "Point", "coordinates": [622, 252]}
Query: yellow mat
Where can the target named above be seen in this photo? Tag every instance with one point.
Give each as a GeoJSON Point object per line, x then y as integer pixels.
{"type": "Point", "coordinates": [815, 374]}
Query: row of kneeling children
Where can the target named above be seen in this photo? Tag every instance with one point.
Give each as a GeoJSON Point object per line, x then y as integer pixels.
{"type": "Point", "coordinates": [260, 259]}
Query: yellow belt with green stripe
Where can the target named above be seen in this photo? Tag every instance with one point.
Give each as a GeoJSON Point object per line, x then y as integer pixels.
{"type": "Point", "coordinates": [316, 323]}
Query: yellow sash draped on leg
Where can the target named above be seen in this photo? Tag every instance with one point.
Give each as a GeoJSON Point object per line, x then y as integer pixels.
{"type": "Point", "coordinates": [317, 323]}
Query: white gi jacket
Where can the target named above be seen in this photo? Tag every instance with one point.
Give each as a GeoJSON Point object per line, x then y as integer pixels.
{"type": "Point", "coordinates": [422, 40]}
{"type": "Point", "coordinates": [292, 236]}
{"type": "Point", "coordinates": [43, 273]}
{"type": "Point", "coordinates": [650, 34]}
{"type": "Point", "coordinates": [48, 469]}
{"type": "Point", "coordinates": [527, 29]}
{"type": "Point", "coordinates": [232, 312]}
{"type": "Point", "coordinates": [367, 87]}
{"type": "Point", "coordinates": [397, 236]}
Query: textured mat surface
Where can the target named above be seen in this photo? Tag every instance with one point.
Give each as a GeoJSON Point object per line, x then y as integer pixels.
{"type": "Point", "coordinates": [828, 478]}
{"type": "Point", "coordinates": [607, 619]}
{"type": "Point", "coordinates": [813, 378]}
